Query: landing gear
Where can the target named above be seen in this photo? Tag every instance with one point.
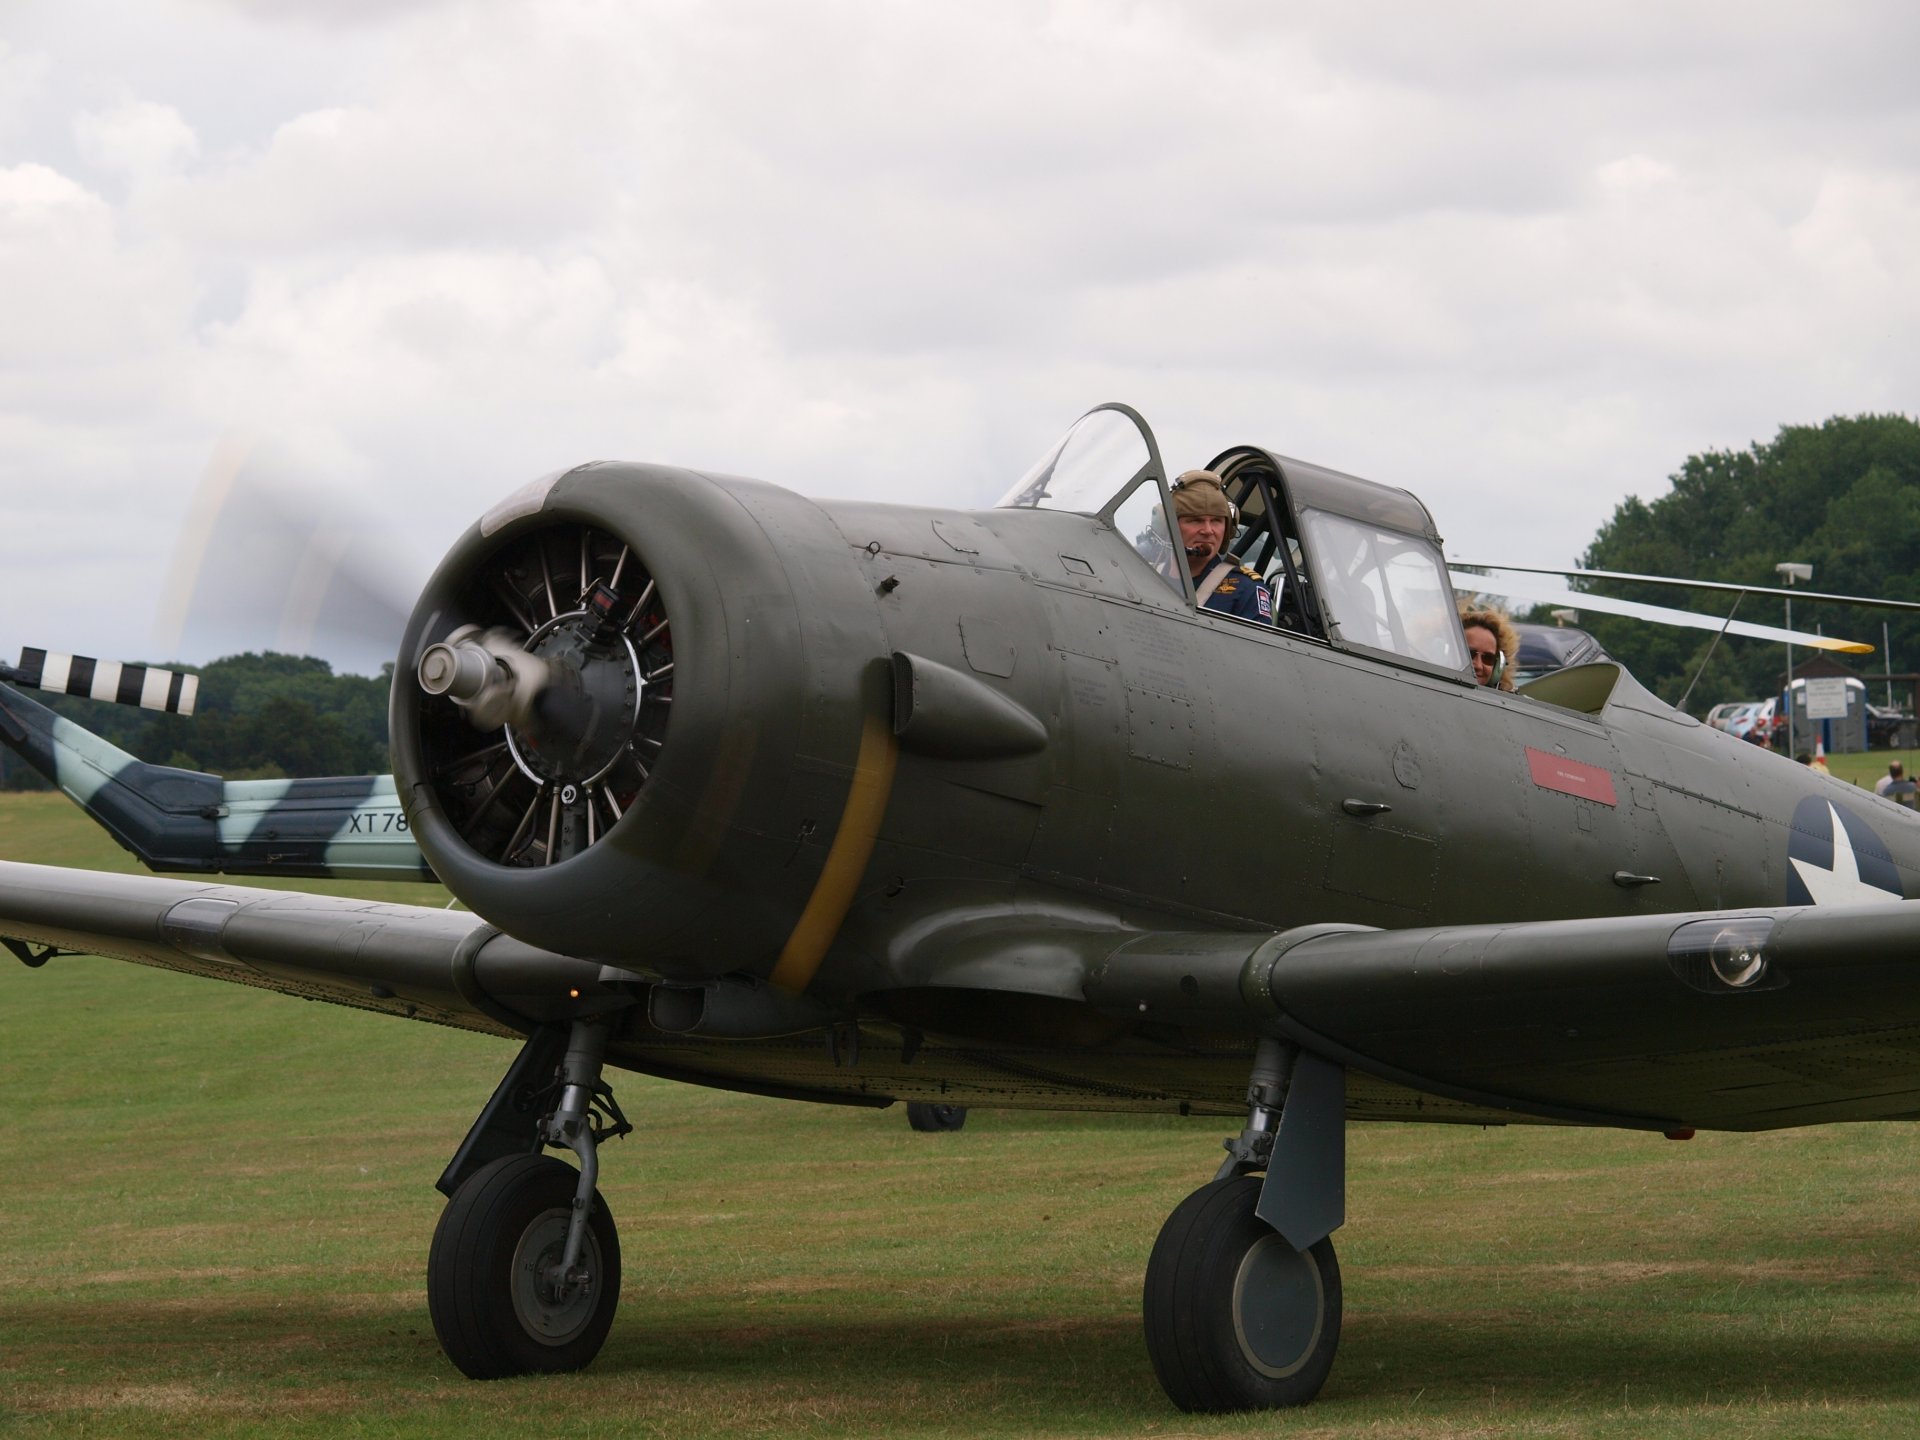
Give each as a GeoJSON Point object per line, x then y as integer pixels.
{"type": "Point", "coordinates": [932, 1119]}
{"type": "Point", "coordinates": [1237, 1319]}
{"type": "Point", "coordinates": [1242, 1300]}
{"type": "Point", "coordinates": [524, 1272]}
{"type": "Point", "coordinates": [499, 1299]}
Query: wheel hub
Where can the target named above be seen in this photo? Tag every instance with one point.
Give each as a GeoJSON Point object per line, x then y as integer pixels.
{"type": "Point", "coordinates": [1278, 1307]}
{"type": "Point", "coordinates": [550, 1308]}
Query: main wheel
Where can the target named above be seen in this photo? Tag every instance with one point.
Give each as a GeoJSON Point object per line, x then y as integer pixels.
{"type": "Point", "coordinates": [934, 1118]}
{"type": "Point", "coordinates": [487, 1289]}
{"type": "Point", "coordinates": [1236, 1318]}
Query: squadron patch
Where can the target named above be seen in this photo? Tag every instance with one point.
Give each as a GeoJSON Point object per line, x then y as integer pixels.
{"type": "Point", "coordinates": [1834, 858]}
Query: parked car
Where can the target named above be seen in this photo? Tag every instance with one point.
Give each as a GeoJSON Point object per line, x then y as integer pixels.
{"type": "Point", "coordinates": [1883, 726]}
{"type": "Point", "coordinates": [1546, 648]}
{"type": "Point", "coordinates": [1758, 717]}
{"type": "Point", "coordinates": [1718, 716]}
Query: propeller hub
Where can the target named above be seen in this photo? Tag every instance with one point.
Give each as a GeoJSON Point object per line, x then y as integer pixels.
{"type": "Point", "coordinates": [543, 714]}
{"type": "Point", "coordinates": [584, 716]}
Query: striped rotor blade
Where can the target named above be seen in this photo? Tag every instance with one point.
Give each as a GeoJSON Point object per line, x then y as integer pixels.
{"type": "Point", "coordinates": [148, 686]}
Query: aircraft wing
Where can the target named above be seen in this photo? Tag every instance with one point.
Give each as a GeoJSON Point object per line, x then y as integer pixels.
{"type": "Point", "coordinates": [409, 960]}
{"type": "Point", "coordinates": [1750, 1019]}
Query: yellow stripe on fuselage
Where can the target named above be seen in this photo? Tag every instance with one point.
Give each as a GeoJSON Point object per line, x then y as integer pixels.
{"type": "Point", "coordinates": [847, 860]}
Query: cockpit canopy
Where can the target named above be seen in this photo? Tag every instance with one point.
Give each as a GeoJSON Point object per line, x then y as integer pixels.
{"type": "Point", "coordinates": [1351, 562]}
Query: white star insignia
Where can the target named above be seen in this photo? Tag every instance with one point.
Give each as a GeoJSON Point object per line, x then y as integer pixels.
{"type": "Point", "coordinates": [1842, 884]}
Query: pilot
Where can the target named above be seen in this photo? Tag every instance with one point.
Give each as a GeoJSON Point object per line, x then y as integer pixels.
{"type": "Point", "coordinates": [1220, 581]}
{"type": "Point", "coordinates": [1492, 644]}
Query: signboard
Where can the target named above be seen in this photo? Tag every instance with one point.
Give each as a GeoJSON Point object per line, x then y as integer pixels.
{"type": "Point", "coordinates": [1827, 698]}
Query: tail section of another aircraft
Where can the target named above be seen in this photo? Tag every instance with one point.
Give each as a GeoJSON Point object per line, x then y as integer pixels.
{"type": "Point", "coordinates": [348, 827]}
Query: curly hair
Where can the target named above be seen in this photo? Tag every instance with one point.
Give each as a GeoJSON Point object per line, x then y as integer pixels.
{"type": "Point", "coordinates": [1497, 624]}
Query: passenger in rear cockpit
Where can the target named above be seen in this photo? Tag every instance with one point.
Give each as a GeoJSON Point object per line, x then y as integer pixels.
{"type": "Point", "coordinates": [1492, 644]}
{"type": "Point", "coordinates": [1220, 581]}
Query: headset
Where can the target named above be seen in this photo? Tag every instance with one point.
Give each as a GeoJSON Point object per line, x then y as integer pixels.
{"type": "Point", "coordinates": [1233, 510]}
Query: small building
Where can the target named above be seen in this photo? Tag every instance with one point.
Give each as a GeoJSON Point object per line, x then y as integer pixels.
{"type": "Point", "coordinates": [1830, 703]}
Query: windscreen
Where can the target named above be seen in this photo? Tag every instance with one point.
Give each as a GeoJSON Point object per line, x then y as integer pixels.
{"type": "Point", "coordinates": [1085, 468]}
{"type": "Point", "coordinates": [1385, 590]}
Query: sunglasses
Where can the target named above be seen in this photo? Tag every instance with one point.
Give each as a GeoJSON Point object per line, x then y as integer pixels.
{"type": "Point", "coordinates": [1486, 657]}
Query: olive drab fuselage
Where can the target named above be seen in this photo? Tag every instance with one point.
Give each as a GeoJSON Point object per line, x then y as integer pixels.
{"type": "Point", "coordinates": [1047, 749]}
{"type": "Point", "coordinates": [862, 801]}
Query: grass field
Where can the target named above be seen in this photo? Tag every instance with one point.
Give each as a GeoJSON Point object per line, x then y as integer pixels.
{"type": "Point", "coordinates": [215, 1208]}
{"type": "Point", "coordinates": [1869, 765]}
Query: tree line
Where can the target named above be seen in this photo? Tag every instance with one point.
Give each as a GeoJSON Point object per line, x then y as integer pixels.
{"type": "Point", "coordinates": [1842, 496]}
{"type": "Point", "coordinates": [258, 716]}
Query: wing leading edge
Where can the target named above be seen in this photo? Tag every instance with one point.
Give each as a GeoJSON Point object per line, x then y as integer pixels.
{"type": "Point", "coordinates": [1740, 1020]}
{"type": "Point", "coordinates": [431, 964]}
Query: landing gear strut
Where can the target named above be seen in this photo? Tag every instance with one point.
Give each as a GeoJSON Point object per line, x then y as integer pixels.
{"type": "Point", "coordinates": [1242, 1300]}
{"type": "Point", "coordinates": [524, 1272]}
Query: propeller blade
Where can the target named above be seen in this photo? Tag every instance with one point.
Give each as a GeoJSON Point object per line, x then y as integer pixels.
{"type": "Point", "coordinates": [261, 566]}
{"type": "Point", "coordinates": [1658, 614]}
{"type": "Point", "coordinates": [1870, 601]}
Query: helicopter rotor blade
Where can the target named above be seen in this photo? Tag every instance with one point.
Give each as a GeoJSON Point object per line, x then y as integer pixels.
{"type": "Point", "coordinates": [1657, 614]}
{"type": "Point", "coordinates": [148, 686]}
{"type": "Point", "coordinates": [1727, 587]}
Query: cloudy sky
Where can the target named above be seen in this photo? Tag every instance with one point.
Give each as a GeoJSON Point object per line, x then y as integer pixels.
{"type": "Point", "coordinates": [1521, 259]}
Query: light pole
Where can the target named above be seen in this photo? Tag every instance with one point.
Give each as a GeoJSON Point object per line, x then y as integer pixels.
{"type": "Point", "coordinates": [1789, 572]}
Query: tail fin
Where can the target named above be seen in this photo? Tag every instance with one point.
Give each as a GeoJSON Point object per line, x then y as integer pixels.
{"type": "Point", "coordinates": [349, 827]}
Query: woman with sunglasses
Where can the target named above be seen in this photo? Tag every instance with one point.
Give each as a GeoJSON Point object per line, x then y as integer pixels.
{"type": "Point", "coordinates": [1492, 643]}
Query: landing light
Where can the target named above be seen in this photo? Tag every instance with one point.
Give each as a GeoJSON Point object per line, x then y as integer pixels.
{"type": "Point", "coordinates": [1721, 955]}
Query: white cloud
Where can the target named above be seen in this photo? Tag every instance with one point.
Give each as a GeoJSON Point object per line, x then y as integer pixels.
{"type": "Point", "coordinates": [22, 81]}
{"type": "Point", "coordinates": [1521, 259]}
{"type": "Point", "coordinates": [76, 296]}
{"type": "Point", "coordinates": [138, 138]}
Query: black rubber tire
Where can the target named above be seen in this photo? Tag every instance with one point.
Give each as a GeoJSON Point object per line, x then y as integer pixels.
{"type": "Point", "coordinates": [1236, 1319]}
{"type": "Point", "coordinates": [487, 1328]}
{"type": "Point", "coordinates": [935, 1119]}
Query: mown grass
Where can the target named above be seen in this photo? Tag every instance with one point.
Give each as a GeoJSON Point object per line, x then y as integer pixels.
{"type": "Point", "coordinates": [215, 1207]}
{"type": "Point", "coordinates": [1867, 766]}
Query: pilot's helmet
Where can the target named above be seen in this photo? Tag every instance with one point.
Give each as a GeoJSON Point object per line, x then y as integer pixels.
{"type": "Point", "coordinates": [1201, 492]}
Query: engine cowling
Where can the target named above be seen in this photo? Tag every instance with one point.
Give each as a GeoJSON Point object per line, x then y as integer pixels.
{"type": "Point", "coordinates": [703, 654]}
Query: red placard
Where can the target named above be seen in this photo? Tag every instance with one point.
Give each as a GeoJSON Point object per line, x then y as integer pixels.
{"type": "Point", "coordinates": [1570, 777]}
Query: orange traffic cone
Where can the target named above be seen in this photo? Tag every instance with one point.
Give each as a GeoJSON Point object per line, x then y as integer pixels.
{"type": "Point", "coordinates": [1820, 755]}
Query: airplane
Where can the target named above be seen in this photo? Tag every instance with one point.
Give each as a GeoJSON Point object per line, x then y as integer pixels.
{"type": "Point", "coordinates": [861, 803]}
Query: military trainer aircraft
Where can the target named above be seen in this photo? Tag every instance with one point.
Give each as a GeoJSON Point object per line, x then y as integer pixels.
{"type": "Point", "coordinates": [860, 803]}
